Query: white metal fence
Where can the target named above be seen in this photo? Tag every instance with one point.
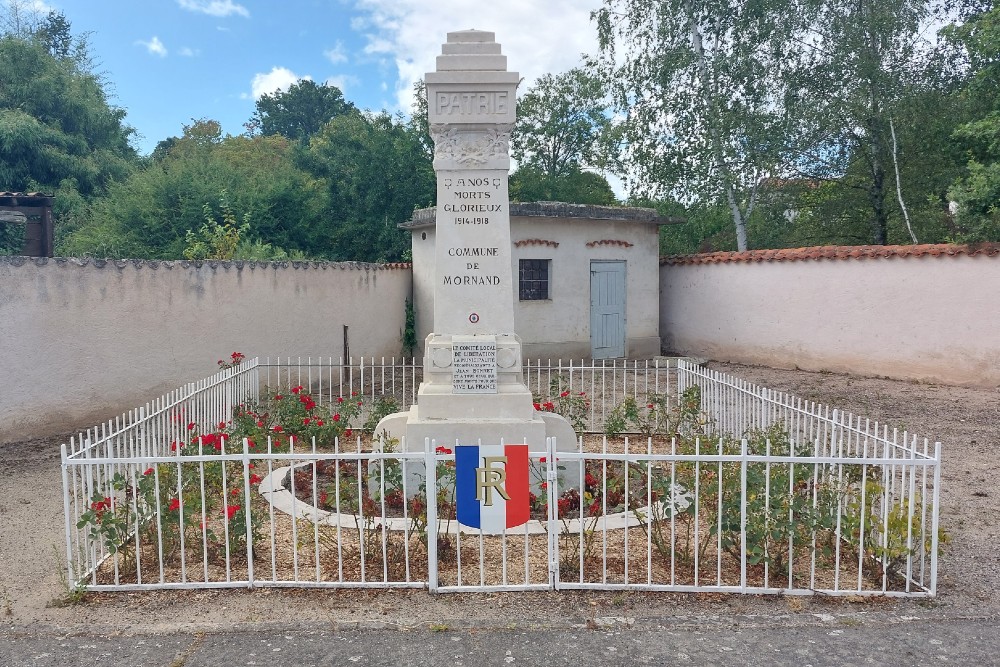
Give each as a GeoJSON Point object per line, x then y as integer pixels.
{"type": "Point", "coordinates": [785, 496]}
{"type": "Point", "coordinates": [585, 391]}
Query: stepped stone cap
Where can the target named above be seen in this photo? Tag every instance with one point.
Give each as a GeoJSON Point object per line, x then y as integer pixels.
{"type": "Point", "coordinates": [471, 51]}
{"type": "Point", "coordinates": [471, 35]}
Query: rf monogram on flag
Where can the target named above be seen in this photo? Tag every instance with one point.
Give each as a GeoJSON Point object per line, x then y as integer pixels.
{"type": "Point", "coordinates": [491, 487]}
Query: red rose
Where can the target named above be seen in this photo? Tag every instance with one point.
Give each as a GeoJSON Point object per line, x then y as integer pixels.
{"type": "Point", "coordinates": [149, 471]}
{"type": "Point", "coordinates": [231, 510]}
{"type": "Point", "coordinates": [336, 417]}
{"type": "Point", "coordinates": [255, 479]}
{"type": "Point", "coordinates": [175, 504]}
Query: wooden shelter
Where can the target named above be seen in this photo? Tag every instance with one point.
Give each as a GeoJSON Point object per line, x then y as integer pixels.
{"type": "Point", "coordinates": [34, 211]}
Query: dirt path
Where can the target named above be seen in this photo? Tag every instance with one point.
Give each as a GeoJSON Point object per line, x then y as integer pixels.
{"type": "Point", "coordinates": [966, 421]}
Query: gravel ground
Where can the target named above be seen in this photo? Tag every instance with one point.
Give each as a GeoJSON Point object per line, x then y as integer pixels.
{"type": "Point", "coordinates": [33, 595]}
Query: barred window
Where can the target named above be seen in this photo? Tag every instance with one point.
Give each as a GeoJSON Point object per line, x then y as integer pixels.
{"type": "Point", "coordinates": [533, 279]}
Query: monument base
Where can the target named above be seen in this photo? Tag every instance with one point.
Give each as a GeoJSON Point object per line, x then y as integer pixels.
{"type": "Point", "coordinates": [415, 434]}
{"type": "Point", "coordinates": [411, 431]}
{"type": "Point", "coordinates": [473, 392]}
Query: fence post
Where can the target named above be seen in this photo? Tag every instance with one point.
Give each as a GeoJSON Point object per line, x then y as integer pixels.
{"type": "Point", "coordinates": [430, 465]}
{"type": "Point", "coordinates": [935, 511]}
{"type": "Point", "coordinates": [552, 480]}
{"type": "Point", "coordinates": [246, 514]}
{"type": "Point", "coordinates": [743, 515]}
{"type": "Point", "coordinates": [70, 576]}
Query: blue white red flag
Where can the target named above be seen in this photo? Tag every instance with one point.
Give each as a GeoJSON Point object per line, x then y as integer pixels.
{"type": "Point", "coordinates": [491, 486]}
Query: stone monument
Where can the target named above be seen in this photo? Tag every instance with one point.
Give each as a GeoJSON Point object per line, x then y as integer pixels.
{"type": "Point", "coordinates": [473, 388]}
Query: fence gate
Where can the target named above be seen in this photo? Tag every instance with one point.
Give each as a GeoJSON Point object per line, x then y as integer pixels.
{"type": "Point", "coordinates": [465, 558]}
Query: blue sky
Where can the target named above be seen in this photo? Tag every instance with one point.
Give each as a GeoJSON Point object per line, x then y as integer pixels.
{"type": "Point", "coordinates": [171, 61]}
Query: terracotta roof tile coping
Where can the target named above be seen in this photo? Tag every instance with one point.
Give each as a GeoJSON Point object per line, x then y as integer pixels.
{"type": "Point", "coordinates": [18, 260]}
{"type": "Point", "coordinates": [836, 252]}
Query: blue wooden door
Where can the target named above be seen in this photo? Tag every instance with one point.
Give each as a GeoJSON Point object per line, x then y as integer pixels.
{"type": "Point", "coordinates": [607, 309]}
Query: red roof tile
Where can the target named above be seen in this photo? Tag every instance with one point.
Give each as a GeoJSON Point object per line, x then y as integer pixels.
{"type": "Point", "coordinates": [543, 242]}
{"type": "Point", "coordinates": [617, 242]}
{"type": "Point", "coordinates": [836, 252]}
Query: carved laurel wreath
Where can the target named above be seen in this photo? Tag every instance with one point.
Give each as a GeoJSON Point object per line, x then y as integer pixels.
{"type": "Point", "coordinates": [470, 148]}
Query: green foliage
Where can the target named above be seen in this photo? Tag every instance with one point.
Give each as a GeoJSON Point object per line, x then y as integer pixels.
{"type": "Point", "coordinates": [561, 124]}
{"type": "Point", "coordinates": [149, 214]}
{"type": "Point", "coordinates": [300, 112]}
{"type": "Point", "coordinates": [55, 119]}
{"type": "Point", "coordinates": [573, 406]}
{"type": "Point", "coordinates": [409, 329]}
{"type": "Point", "coordinates": [291, 417]}
{"type": "Point", "coordinates": [382, 406]}
{"type": "Point", "coordinates": [702, 88]}
{"type": "Point", "coordinates": [575, 186]}
{"type": "Point", "coordinates": [977, 193]}
{"type": "Point", "coordinates": [375, 171]}
{"type": "Point", "coordinates": [656, 415]}
{"type": "Point", "coordinates": [216, 240]}
{"type": "Point", "coordinates": [201, 505]}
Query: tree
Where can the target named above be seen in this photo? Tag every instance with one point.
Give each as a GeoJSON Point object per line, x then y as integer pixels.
{"type": "Point", "coordinates": [561, 122]}
{"type": "Point", "coordinates": [575, 186]}
{"type": "Point", "coordinates": [377, 171]}
{"type": "Point", "coordinates": [56, 125]}
{"type": "Point", "coordinates": [205, 175]}
{"type": "Point", "coordinates": [869, 62]}
{"type": "Point", "coordinates": [977, 193]}
{"type": "Point", "coordinates": [703, 86]}
{"type": "Point", "coordinates": [299, 112]}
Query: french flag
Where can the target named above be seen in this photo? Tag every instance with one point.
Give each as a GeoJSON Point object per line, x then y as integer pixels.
{"type": "Point", "coordinates": [491, 486]}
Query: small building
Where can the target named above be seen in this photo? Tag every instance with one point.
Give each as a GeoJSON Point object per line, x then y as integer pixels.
{"type": "Point", "coordinates": [31, 214]}
{"type": "Point", "coordinates": [587, 279]}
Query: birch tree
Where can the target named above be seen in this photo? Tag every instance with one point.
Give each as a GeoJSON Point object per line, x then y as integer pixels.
{"type": "Point", "coordinates": [703, 90]}
{"type": "Point", "coordinates": [868, 57]}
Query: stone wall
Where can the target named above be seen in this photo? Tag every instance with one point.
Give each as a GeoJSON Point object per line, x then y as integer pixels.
{"type": "Point", "coordinates": [85, 340]}
{"type": "Point", "coordinates": [929, 313]}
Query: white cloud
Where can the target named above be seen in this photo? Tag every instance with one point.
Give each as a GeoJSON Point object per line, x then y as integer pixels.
{"type": "Point", "coordinates": [188, 52]}
{"type": "Point", "coordinates": [279, 78]}
{"type": "Point", "coordinates": [40, 7]}
{"type": "Point", "coordinates": [337, 54]}
{"type": "Point", "coordinates": [219, 8]}
{"type": "Point", "coordinates": [154, 46]}
{"type": "Point", "coordinates": [537, 38]}
{"type": "Point", "coordinates": [343, 81]}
